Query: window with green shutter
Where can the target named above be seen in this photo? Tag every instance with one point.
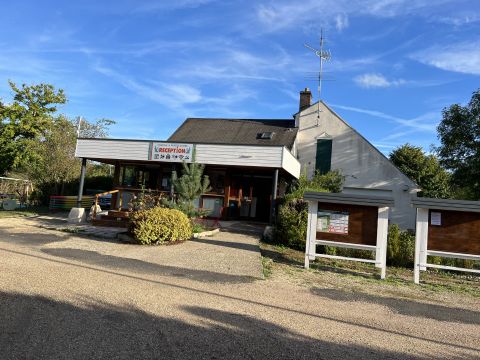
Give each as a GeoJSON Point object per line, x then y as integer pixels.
{"type": "Point", "coordinates": [323, 160]}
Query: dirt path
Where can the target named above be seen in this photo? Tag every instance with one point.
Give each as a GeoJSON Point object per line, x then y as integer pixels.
{"type": "Point", "coordinates": [62, 296]}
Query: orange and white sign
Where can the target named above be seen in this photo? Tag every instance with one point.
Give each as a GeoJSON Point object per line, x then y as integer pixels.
{"type": "Point", "coordinates": [171, 152]}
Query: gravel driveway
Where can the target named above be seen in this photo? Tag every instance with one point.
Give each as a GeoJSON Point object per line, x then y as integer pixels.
{"type": "Point", "coordinates": [68, 297]}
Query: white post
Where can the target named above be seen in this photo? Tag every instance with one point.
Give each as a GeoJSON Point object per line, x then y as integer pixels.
{"type": "Point", "coordinates": [311, 233]}
{"type": "Point", "coordinates": [421, 236]}
{"type": "Point", "coordinates": [382, 235]}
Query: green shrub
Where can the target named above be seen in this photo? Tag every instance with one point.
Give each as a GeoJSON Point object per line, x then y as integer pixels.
{"type": "Point", "coordinates": [292, 215]}
{"type": "Point", "coordinates": [291, 229]}
{"type": "Point", "coordinates": [401, 247]}
{"type": "Point", "coordinates": [146, 199]}
{"type": "Point", "coordinates": [158, 225]}
{"type": "Point", "coordinates": [198, 228]}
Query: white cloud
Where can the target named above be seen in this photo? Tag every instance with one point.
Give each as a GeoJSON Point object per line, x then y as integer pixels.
{"type": "Point", "coordinates": [283, 15]}
{"type": "Point", "coordinates": [232, 64]}
{"type": "Point", "coordinates": [425, 122]}
{"type": "Point", "coordinates": [187, 93]}
{"type": "Point", "coordinates": [374, 80]}
{"type": "Point", "coordinates": [462, 57]}
{"type": "Point", "coordinates": [460, 19]}
{"type": "Point", "coordinates": [183, 99]}
{"type": "Point", "coordinates": [341, 22]}
{"type": "Point", "coordinates": [173, 96]}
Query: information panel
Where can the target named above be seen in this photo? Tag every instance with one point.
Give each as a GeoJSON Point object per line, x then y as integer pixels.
{"type": "Point", "coordinates": [171, 152]}
{"type": "Point", "coordinates": [335, 222]}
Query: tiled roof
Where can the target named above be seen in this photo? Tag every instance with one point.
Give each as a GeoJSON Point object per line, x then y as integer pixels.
{"type": "Point", "coordinates": [236, 131]}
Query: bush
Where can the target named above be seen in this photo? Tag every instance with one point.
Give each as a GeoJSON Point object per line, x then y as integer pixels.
{"type": "Point", "coordinates": [291, 229]}
{"type": "Point", "coordinates": [292, 216]}
{"type": "Point", "coordinates": [146, 199]}
{"type": "Point", "coordinates": [159, 225]}
{"type": "Point", "coordinates": [401, 247]}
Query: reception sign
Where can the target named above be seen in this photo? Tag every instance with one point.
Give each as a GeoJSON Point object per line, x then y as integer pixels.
{"type": "Point", "coordinates": [171, 152]}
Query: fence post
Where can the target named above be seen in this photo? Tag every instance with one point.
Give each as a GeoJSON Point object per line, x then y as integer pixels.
{"type": "Point", "coordinates": [310, 247]}
{"type": "Point", "coordinates": [421, 235]}
{"type": "Point", "coordinates": [382, 235]}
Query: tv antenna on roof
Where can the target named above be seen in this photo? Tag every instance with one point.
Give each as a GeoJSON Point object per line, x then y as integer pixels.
{"type": "Point", "coordinates": [323, 55]}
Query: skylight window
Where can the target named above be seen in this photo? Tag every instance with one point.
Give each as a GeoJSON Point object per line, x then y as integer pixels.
{"type": "Point", "coordinates": [265, 135]}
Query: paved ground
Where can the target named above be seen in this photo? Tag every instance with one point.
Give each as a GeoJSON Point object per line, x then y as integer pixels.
{"type": "Point", "coordinates": [67, 297]}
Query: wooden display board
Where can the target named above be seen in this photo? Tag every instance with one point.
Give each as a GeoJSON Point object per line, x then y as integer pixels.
{"type": "Point", "coordinates": [348, 221]}
{"type": "Point", "coordinates": [361, 227]}
{"type": "Point", "coordinates": [446, 228]}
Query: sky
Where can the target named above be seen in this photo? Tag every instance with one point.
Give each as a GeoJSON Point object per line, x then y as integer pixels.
{"type": "Point", "coordinates": [148, 65]}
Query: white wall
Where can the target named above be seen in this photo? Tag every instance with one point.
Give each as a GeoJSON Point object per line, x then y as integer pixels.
{"type": "Point", "coordinates": [239, 155]}
{"type": "Point", "coordinates": [362, 164]}
{"type": "Point", "coordinates": [112, 149]}
{"type": "Point", "coordinates": [209, 154]}
{"type": "Point", "coordinates": [290, 163]}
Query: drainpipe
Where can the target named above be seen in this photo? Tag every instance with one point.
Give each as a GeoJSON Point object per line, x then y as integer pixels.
{"type": "Point", "coordinates": [274, 196]}
{"type": "Point", "coordinates": [82, 180]}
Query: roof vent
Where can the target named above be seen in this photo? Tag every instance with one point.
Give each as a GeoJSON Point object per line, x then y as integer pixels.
{"type": "Point", "coordinates": [265, 135]}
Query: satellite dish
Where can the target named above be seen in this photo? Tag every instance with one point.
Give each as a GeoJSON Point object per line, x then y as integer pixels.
{"type": "Point", "coordinates": [10, 204]}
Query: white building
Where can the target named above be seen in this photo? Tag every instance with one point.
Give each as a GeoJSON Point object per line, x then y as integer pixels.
{"type": "Point", "coordinates": [245, 158]}
{"type": "Point", "coordinates": [327, 142]}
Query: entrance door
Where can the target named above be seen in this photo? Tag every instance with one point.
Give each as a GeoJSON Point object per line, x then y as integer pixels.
{"type": "Point", "coordinates": [249, 197]}
{"type": "Point", "coordinates": [262, 190]}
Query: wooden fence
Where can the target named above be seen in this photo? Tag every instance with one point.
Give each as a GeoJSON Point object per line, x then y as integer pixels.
{"type": "Point", "coordinates": [58, 202]}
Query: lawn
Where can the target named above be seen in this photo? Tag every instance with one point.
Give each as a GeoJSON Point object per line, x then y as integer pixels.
{"type": "Point", "coordinates": [355, 275]}
{"type": "Point", "coordinates": [30, 211]}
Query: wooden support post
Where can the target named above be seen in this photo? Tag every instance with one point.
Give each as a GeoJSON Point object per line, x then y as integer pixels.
{"type": "Point", "coordinates": [421, 236]}
{"type": "Point", "coordinates": [310, 247]}
{"type": "Point", "coordinates": [382, 235]}
{"type": "Point", "coordinates": [82, 180]}
{"type": "Point", "coordinates": [274, 196]}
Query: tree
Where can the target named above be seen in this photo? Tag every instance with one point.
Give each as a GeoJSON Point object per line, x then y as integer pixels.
{"type": "Point", "coordinates": [459, 152]}
{"type": "Point", "coordinates": [424, 169]}
{"type": "Point", "coordinates": [98, 129]}
{"type": "Point", "coordinates": [190, 185]}
{"type": "Point", "coordinates": [26, 117]}
{"type": "Point", "coordinates": [52, 162]}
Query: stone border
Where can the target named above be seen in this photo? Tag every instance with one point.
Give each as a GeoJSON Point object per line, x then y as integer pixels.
{"type": "Point", "coordinates": [206, 233]}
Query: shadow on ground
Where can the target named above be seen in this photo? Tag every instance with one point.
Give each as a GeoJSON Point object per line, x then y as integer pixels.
{"type": "Point", "coordinates": [243, 227]}
{"type": "Point", "coordinates": [41, 328]}
{"type": "Point", "coordinates": [140, 266]}
{"type": "Point", "coordinates": [230, 244]}
{"type": "Point", "coordinates": [280, 257]}
{"type": "Point", "coordinates": [404, 306]}
{"type": "Point", "coordinates": [30, 239]}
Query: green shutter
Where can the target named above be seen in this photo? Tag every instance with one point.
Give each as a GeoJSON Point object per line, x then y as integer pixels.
{"type": "Point", "coordinates": [323, 161]}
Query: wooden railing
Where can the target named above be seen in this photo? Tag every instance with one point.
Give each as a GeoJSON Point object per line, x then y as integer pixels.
{"type": "Point", "coordinates": [94, 216]}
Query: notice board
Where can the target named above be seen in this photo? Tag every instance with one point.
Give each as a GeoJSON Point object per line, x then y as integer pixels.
{"type": "Point", "coordinates": [355, 224]}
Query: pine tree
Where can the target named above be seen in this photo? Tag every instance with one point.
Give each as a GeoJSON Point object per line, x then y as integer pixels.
{"type": "Point", "coordinates": [191, 184]}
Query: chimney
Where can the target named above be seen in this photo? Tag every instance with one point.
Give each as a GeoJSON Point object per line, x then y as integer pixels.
{"type": "Point", "coordinates": [305, 99]}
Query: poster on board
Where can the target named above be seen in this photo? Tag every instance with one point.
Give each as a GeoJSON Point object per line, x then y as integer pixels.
{"type": "Point", "coordinates": [436, 218]}
{"type": "Point", "coordinates": [335, 222]}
